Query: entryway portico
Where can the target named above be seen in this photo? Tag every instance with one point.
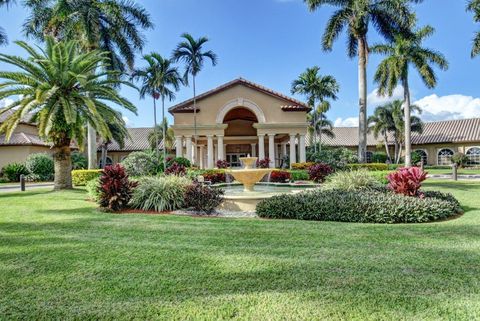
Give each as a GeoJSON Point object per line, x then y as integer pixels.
{"type": "Point", "coordinates": [240, 118]}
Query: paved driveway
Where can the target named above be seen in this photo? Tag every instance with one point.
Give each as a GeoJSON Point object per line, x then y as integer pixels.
{"type": "Point", "coordinates": [4, 188]}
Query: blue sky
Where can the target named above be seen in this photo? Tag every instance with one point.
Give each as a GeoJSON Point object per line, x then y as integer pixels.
{"type": "Point", "coordinates": [272, 41]}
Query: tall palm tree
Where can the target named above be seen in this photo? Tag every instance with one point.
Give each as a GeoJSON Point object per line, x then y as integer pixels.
{"type": "Point", "coordinates": [191, 52]}
{"type": "Point", "coordinates": [381, 124]}
{"type": "Point", "coordinates": [316, 88]}
{"type": "Point", "coordinates": [3, 34]}
{"type": "Point", "coordinates": [474, 6]}
{"type": "Point", "coordinates": [386, 16]}
{"type": "Point", "coordinates": [113, 26]}
{"type": "Point", "coordinates": [160, 79]}
{"type": "Point", "coordinates": [319, 124]}
{"type": "Point", "coordinates": [403, 52]}
{"type": "Point", "coordinates": [158, 136]}
{"type": "Point", "coordinates": [63, 89]}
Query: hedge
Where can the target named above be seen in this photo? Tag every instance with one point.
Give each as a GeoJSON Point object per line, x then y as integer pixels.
{"type": "Point", "coordinates": [81, 177]}
{"type": "Point", "coordinates": [360, 206]}
{"type": "Point", "coordinates": [368, 166]}
{"type": "Point", "coordinates": [306, 165]}
{"type": "Point", "coordinates": [299, 175]}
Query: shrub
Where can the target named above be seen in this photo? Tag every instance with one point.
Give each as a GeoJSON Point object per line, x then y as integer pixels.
{"type": "Point", "coordinates": [180, 161]}
{"type": "Point", "coordinates": [305, 166]}
{"type": "Point", "coordinates": [280, 177]}
{"type": "Point", "coordinates": [352, 181]}
{"type": "Point", "coordinates": [176, 169]}
{"type": "Point", "coordinates": [93, 189]}
{"type": "Point", "coordinates": [115, 189]}
{"type": "Point", "coordinates": [215, 176]}
{"type": "Point", "coordinates": [380, 176]}
{"type": "Point", "coordinates": [319, 172]}
{"type": "Point", "coordinates": [41, 165]}
{"type": "Point", "coordinates": [79, 161]}
{"type": "Point", "coordinates": [160, 193]}
{"type": "Point", "coordinates": [459, 159]}
{"type": "Point", "coordinates": [299, 175]}
{"type": "Point", "coordinates": [379, 157]}
{"type": "Point", "coordinates": [222, 163]}
{"type": "Point", "coordinates": [415, 158]}
{"type": "Point", "coordinates": [337, 158]}
{"type": "Point", "coordinates": [369, 166]}
{"type": "Point", "coordinates": [80, 177]}
{"type": "Point", "coordinates": [263, 163]}
{"type": "Point", "coordinates": [363, 206]}
{"type": "Point", "coordinates": [406, 181]}
{"type": "Point", "coordinates": [203, 198]}
{"type": "Point", "coordinates": [143, 163]}
{"type": "Point", "coordinates": [13, 171]}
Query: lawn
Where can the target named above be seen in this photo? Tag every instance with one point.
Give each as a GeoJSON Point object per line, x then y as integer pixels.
{"type": "Point", "coordinates": [61, 259]}
{"type": "Point", "coordinates": [461, 171]}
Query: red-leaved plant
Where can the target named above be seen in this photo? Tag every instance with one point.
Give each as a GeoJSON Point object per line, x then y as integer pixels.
{"type": "Point", "coordinates": [280, 177]}
{"type": "Point", "coordinates": [407, 181]}
{"type": "Point", "coordinates": [318, 172]}
{"type": "Point", "coordinates": [115, 190]}
{"type": "Point", "coordinates": [222, 163]}
{"type": "Point", "coordinates": [176, 169]}
{"type": "Point", "coordinates": [263, 163]}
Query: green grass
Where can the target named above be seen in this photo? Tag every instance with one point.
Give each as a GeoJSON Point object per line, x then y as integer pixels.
{"type": "Point", "coordinates": [461, 171]}
{"type": "Point", "coordinates": [61, 259]}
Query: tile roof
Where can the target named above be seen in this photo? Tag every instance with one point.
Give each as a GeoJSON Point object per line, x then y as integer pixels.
{"type": "Point", "coordinates": [138, 141]}
{"type": "Point", "coordinates": [23, 139]}
{"type": "Point", "coordinates": [26, 119]}
{"type": "Point", "coordinates": [294, 104]}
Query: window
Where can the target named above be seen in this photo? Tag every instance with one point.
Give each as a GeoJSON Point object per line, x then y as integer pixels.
{"type": "Point", "coordinates": [369, 156]}
{"type": "Point", "coordinates": [444, 156]}
{"type": "Point", "coordinates": [473, 155]}
{"type": "Point", "coordinates": [423, 154]}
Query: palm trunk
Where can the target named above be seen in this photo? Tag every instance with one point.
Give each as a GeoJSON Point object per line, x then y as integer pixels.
{"type": "Point", "coordinates": [395, 152]}
{"type": "Point", "coordinates": [399, 156]}
{"type": "Point", "coordinates": [408, 126]}
{"type": "Point", "coordinates": [164, 134]}
{"type": "Point", "coordinates": [63, 167]}
{"type": "Point", "coordinates": [362, 91]}
{"type": "Point", "coordinates": [387, 150]}
{"type": "Point", "coordinates": [194, 119]}
{"type": "Point", "coordinates": [104, 155]}
{"type": "Point", "coordinates": [314, 128]}
{"type": "Point", "coordinates": [320, 132]}
{"type": "Point", "coordinates": [155, 126]}
{"type": "Point", "coordinates": [92, 146]}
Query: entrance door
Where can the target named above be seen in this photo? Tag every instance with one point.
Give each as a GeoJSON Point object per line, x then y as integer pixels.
{"type": "Point", "coordinates": [233, 159]}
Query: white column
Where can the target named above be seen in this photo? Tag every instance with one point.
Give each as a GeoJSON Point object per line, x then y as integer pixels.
{"type": "Point", "coordinates": [224, 152]}
{"type": "Point", "coordinates": [284, 149]}
{"type": "Point", "coordinates": [200, 158]}
{"type": "Point", "coordinates": [215, 154]}
{"type": "Point", "coordinates": [301, 147]}
{"type": "Point", "coordinates": [220, 147]}
{"type": "Point", "coordinates": [293, 154]}
{"type": "Point", "coordinates": [188, 143]}
{"type": "Point", "coordinates": [210, 151]}
{"type": "Point", "coordinates": [194, 154]}
{"type": "Point", "coordinates": [261, 146]}
{"type": "Point", "coordinates": [271, 149]}
{"type": "Point", "coordinates": [179, 146]}
{"type": "Point", "coordinates": [254, 150]}
{"type": "Point", "coordinates": [277, 156]}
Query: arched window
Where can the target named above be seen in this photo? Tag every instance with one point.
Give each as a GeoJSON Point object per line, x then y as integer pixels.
{"type": "Point", "coordinates": [423, 154]}
{"type": "Point", "coordinates": [473, 155]}
{"type": "Point", "coordinates": [108, 162]}
{"type": "Point", "coordinates": [369, 156]}
{"type": "Point", "coordinates": [444, 156]}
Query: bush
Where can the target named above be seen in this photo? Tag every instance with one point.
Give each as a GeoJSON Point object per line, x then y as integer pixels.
{"type": "Point", "coordinates": [280, 177]}
{"type": "Point", "coordinates": [380, 176]}
{"type": "Point", "coordinates": [203, 198]}
{"type": "Point", "coordinates": [337, 158]}
{"type": "Point", "coordinates": [305, 166]}
{"type": "Point", "coordinates": [82, 176]}
{"type": "Point", "coordinates": [407, 181]}
{"type": "Point", "coordinates": [180, 161]}
{"type": "Point", "coordinates": [176, 169]}
{"type": "Point", "coordinates": [299, 175]}
{"type": "Point", "coordinates": [379, 157]}
{"type": "Point", "coordinates": [143, 163]}
{"type": "Point", "coordinates": [79, 161]}
{"type": "Point", "coordinates": [41, 165]}
{"type": "Point", "coordinates": [160, 193]}
{"type": "Point", "coordinates": [263, 163]}
{"type": "Point", "coordinates": [459, 159]}
{"type": "Point", "coordinates": [369, 166]}
{"type": "Point", "coordinates": [352, 181]}
{"type": "Point", "coordinates": [415, 158]}
{"type": "Point", "coordinates": [357, 206]}
{"type": "Point", "coordinates": [13, 171]}
{"type": "Point", "coordinates": [115, 189]}
{"type": "Point", "coordinates": [93, 189]}
{"type": "Point", "coordinates": [319, 172]}
{"type": "Point", "coordinates": [222, 164]}
{"type": "Point", "coordinates": [215, 176]}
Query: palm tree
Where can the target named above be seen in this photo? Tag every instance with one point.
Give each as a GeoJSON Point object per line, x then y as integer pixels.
{"type": "Point", "coordinates": [119, 132]}
{"type": "Point", "coordinates": [386, 16]}
{"type": "Point", "coordinates": [318, 123]}
{"type": "Point", "coordinates": [159, 79]}
{"type": "Point", "coordinates": [402, 53]}
{"type": "Point", "coordinates": [109, 25]}
{"type": "Point", "coordinates": [63, 89]}
{"type": "Point", "coordinates": [381, 124]}
{"type": "Point", "coordinates": [158, 136]}
{"type": "Point", "coordinates": [192, 54]}
{"type": "Point", "coordinates": [3, 34]}
{"type": "Point", "coordinates": [316, 88]}
{"type": "Point", "coordinates": [474, 6]}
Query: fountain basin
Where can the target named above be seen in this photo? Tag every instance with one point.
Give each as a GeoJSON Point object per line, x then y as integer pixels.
{"type": "Point", "coordinates": [249, 177]}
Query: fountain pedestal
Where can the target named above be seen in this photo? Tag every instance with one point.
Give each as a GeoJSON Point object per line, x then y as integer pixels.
{"type": "Point", "coordinates": [249, 176]}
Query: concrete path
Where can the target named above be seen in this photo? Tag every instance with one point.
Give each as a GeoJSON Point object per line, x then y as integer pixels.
{"type": "Point", "coordinates": [4, 188]}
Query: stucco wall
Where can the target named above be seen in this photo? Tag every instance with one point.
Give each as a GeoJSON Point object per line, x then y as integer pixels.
{"type": "Point", "coordinates": [18, 154]}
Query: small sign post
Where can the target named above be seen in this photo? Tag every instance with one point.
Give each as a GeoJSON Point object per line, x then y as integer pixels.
{"type": "Point", "coordinates": [22, 183]}
{"type": "Point", "coordinates": [455, 172]}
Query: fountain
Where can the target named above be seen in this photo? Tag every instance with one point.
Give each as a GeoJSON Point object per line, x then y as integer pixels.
{"type": "Point", "coordinates": [249, 175]}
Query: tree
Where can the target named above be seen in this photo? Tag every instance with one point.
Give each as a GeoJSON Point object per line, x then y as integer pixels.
{"type": "Point", "coordinates": [474, 6]}
{"type": "Point", "coordinates": [119, 134]}
{"type": "Point", "coordinates": [316, 88]}
{"type": "Point", "coordinates": [403, 52]}
{"type": "Point", "coordinates": [3, 34]}
{"type": "Point", "coordinates": [386, 16]}
{"type": "Point", "coordinates": [191, 52]}
{"type": "Point", "coordinates": [318, 123]}
{"type": "Point", "coordinates": [158, 136]}
{"type": "Point", "coordinates": [160, 79]}
{"type": "Point", "coordinates": [109, 25]}
{"type": "Point", "coordinates": [381, 124]}
{"type": "Point", "coordinates": [63, 89]}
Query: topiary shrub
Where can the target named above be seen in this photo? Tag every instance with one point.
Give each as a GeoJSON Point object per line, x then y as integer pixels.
{"type": "Point", "coordinates": [363, 206]}
{"type": "Point", "coordinates": [93, 187]}
{"type": "Point", "coordinates": [79, 161]}
{"type": "Point", "coordinates": [299, 175]}
{"type": "Point", "coordinates": [164, 193]}
{"type": "Point", "coordinates": [13, 171]}
{"type": "Point", "coordinates": [280, 177]}
{"type": "Point", "coordinates": [144, 163]}
{"type": "Point", "coordinates": [82, 176]}
{"type": "Point", "coordinates": [115, 189]}
{"type": "Point", "coordinates": [203, 198]}
{"type": "Point", "coordinates": [407, 181]}
{"type": "Point", "coordinates": [41, 166]}
{"type": "Point", "coordinates": [460, 159]}
{"type": "Point", "coordinates": [222, 164]}
{"type": "Point", "coordinates": [352, 181]}
{"type": "Point", "coordinates": [319, 172]}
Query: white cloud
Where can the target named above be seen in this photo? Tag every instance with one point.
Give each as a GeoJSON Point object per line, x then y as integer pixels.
{"type": "Point", "coordinates": [448, 107]}
{"type": "Point", "coordinates": [346, 122]}
{"type": "Point", "coordinates": [374, 100]}
{"type": "Point", "coordinates": [127, 121]}
{"type": "Point", "coordinates": [5, 102]}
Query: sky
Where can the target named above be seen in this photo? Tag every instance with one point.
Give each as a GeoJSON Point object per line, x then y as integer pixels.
{"type": "Point", "coordinates": [271, 42]}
